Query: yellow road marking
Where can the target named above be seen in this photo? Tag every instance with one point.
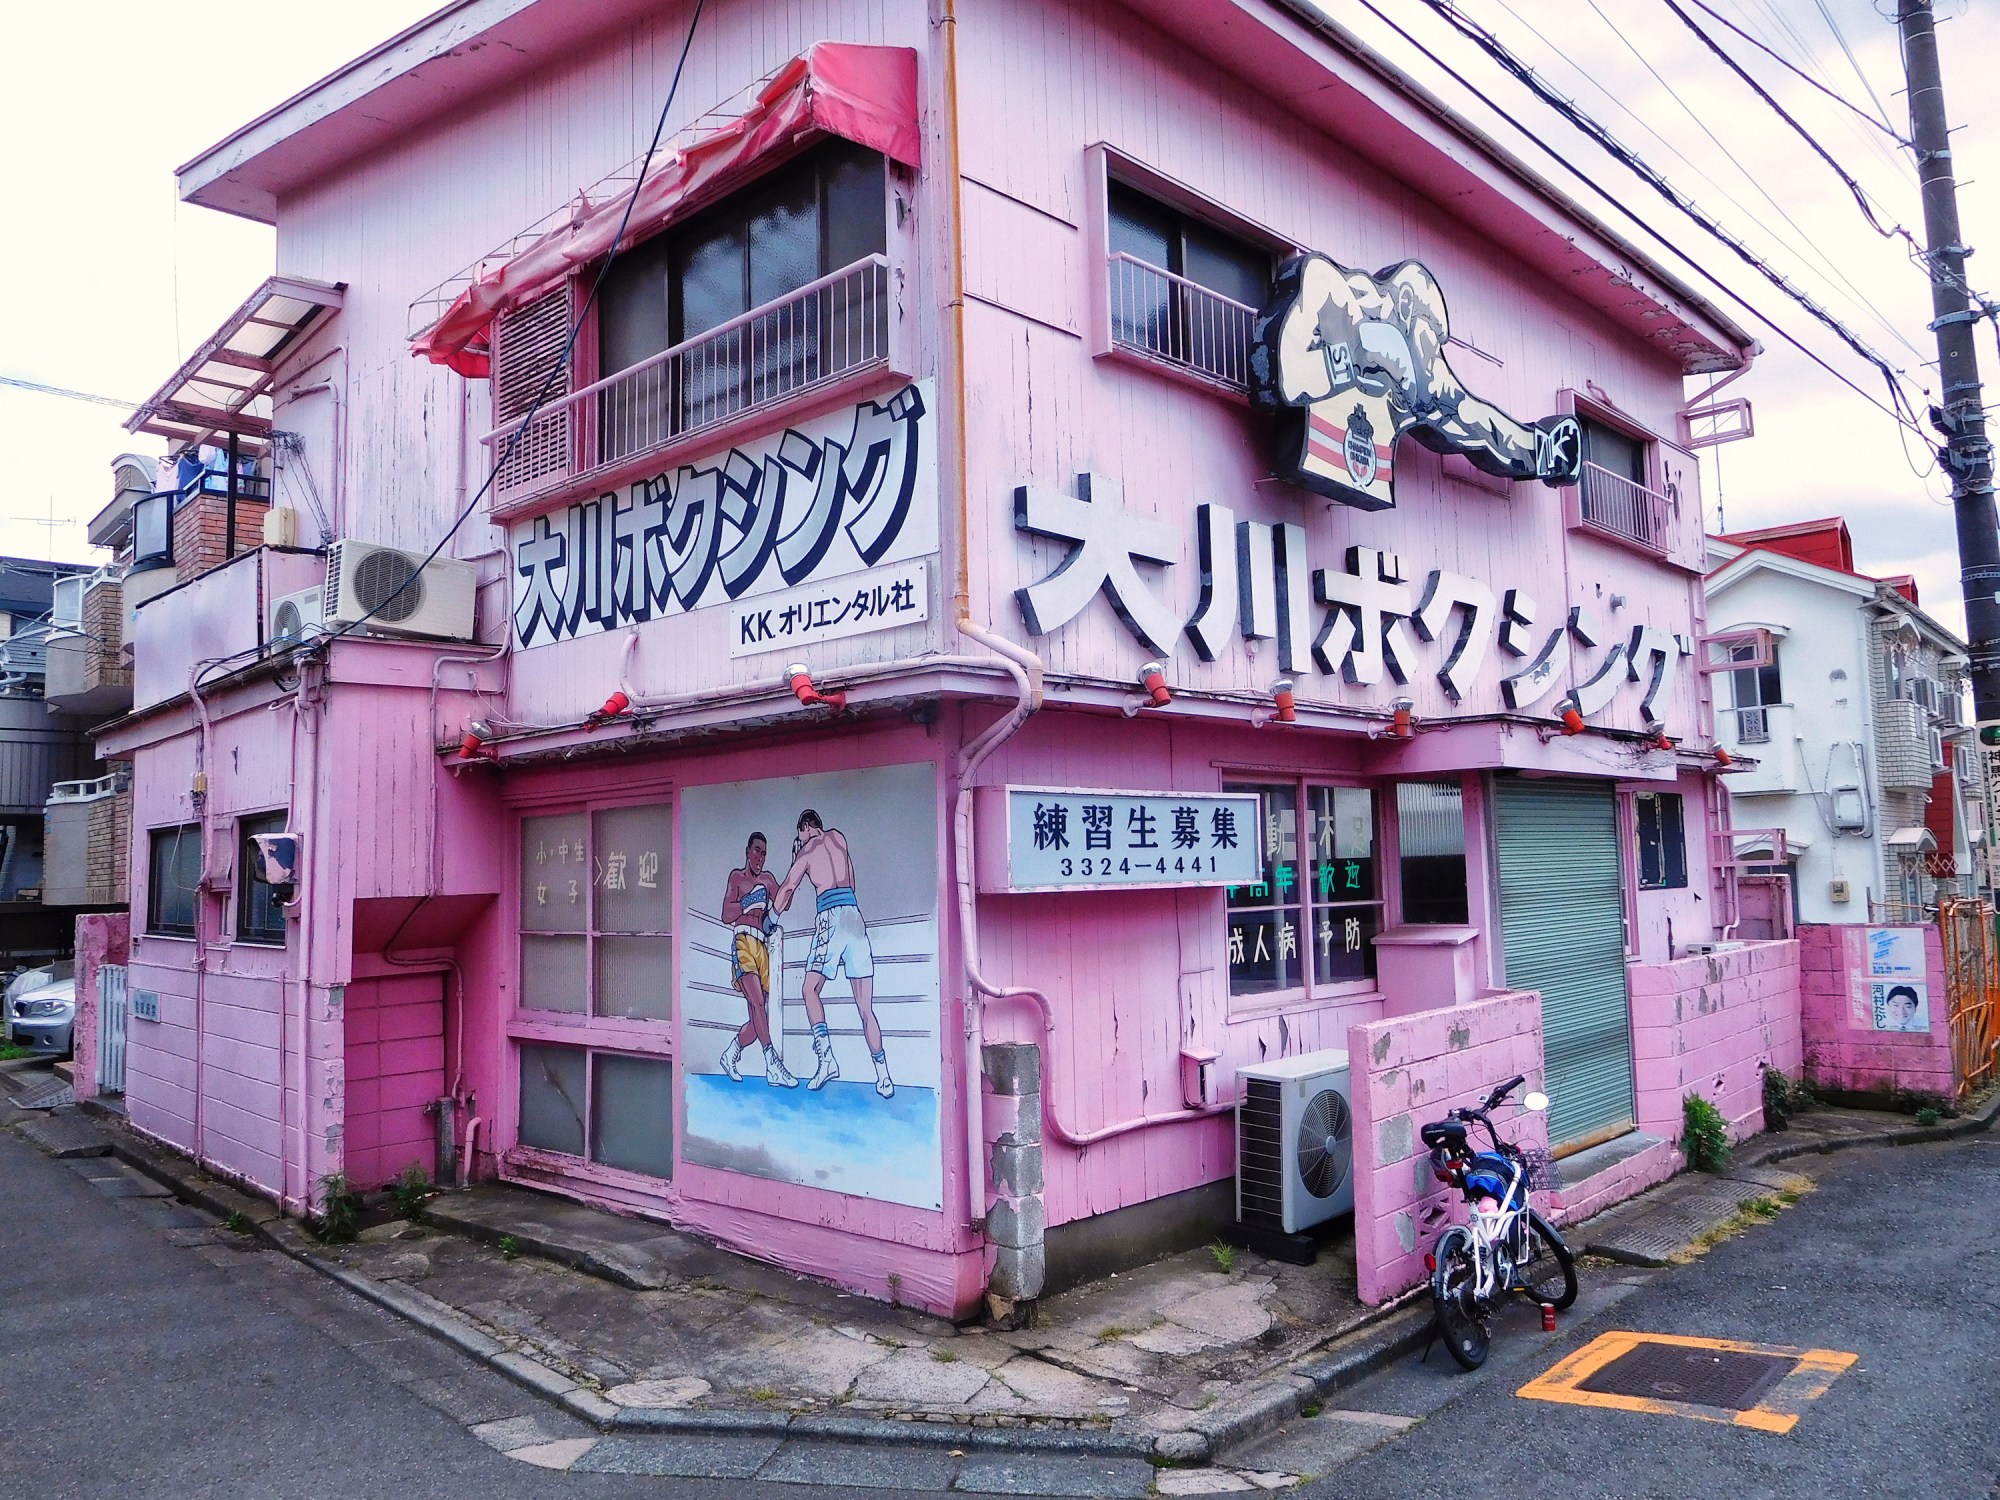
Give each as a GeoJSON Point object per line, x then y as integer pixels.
{"type": "Point", "coordinates": [1779, 1411]}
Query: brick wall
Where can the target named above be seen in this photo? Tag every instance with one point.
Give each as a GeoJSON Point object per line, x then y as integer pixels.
{"type": "Point", "coordinates": [1844, 1053]}
{"type": "Point", "coordinates": [1708, 1025]}
{"type": "Point", "coordinates": [201, 528]}
{"type": "Point", "coordinates": [104, 628]}
{"type": "Point", "coordinates": [108, 848]}
{"type": "Point", "coordinates": [1404, 1073]}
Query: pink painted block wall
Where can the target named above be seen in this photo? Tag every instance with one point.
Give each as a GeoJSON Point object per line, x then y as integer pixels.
{"type": "Point", "coordinates": [394, 1056]}
{"type": "Point", "coordinates": [1843, 1051]}
{"type": "Point", "coordinates": [101, 938]}
{"type": "Point", "coordinates": [1708, 1025]}
{"type": "Point", "coordinates": [1404, 1073]}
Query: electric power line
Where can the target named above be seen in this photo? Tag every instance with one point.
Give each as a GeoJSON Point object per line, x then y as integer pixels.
{"type": "Point", "coordinates": [64, 391]}
{"type": "Point", "coordinates": [1786, 63]}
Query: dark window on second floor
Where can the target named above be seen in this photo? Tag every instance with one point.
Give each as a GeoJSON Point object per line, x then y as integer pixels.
{"type": "Point", "coordinates": [1755, 687]}
{"type": "Point", "coordinates": [1662, 842]}
{"type": "Point", "coordinates": [1155, 313]}
{"type": "Point", "coordinates": [1618, 452]}
{"type": "Point", "coordinates": [260, 916]}
{"type": "Point", "coordinates": [173, 873]}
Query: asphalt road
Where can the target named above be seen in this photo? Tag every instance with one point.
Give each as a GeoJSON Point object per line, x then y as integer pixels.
{"type": "Point", "coordinates": [1894, 1258]}
{"type": "Point", "coordinates": [144, 1354]}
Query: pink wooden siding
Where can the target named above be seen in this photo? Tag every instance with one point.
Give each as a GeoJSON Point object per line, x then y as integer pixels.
{"type": "Point", "coordinates": [394, 1036]}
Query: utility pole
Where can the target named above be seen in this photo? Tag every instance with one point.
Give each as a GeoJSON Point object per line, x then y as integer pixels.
{"type": "Point", "coordinates": [1960, 416]}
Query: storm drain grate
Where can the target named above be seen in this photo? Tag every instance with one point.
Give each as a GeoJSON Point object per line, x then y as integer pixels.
{"type": "Point", "coordinates": [1720, 1378]}
{"type": "Point", "coordinates": [53, 1093]}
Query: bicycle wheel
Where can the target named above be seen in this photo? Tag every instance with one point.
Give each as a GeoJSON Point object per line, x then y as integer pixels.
{"type": "Point", "coordinates": [1461, 1321]}
{"type": "Point", "coordinates": [1550, 1274]}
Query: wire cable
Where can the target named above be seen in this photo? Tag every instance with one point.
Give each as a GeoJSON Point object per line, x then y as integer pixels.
{"type": "Point", "coordinates": [1647, 173]}
{"type": "Point", "coordinates": [561, 366]}
{"type": "Point", "coordinates": [1791, 67]}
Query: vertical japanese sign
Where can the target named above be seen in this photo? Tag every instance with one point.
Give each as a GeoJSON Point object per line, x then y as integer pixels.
{"type": "Point", "coordinates": [1065, 839]}
{"type": "Point", "coordinates": [810, 1041]}
{"type": "Point", "coordinates": [835, 495]}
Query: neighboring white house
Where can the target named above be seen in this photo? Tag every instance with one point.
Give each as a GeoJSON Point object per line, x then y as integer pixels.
{"type": "Point", "coordinates": [1850, 700]}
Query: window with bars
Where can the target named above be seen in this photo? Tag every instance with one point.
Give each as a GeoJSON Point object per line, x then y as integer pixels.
{"type": "Point", "coordinates": [1310, 920]}
{"type": "Point", "coordinates": [1662, 841]}
{"type": "Point", "coordinates": [1181, 290]}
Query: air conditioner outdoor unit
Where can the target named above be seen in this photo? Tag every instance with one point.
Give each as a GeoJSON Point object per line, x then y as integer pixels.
{"type": "Point", "coordinates": [1294, 1142]}
{"type": "Point", "coordinates": [1937, 750]}
{"type": "Point", "coordinates": [391, 592]}
{"type": "Point", "coordinates": [295, 618]}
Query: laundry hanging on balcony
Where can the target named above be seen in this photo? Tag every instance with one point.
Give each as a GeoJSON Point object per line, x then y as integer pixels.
{"type": "Point", "coordinates": [864, 94]}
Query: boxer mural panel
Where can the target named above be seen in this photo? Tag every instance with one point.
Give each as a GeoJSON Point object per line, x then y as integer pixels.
{"type": "Point", "coordinates": [809, 982]}
{"type": "Point", "coordinates": [1350, 362]}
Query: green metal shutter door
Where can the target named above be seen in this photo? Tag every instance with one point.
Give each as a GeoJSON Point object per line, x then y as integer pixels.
{"type": "Point", "coordinates": [1562, 923]}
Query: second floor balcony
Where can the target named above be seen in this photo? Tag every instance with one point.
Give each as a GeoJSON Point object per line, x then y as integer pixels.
{"type": "Point", "coordinates": [836, 327]}
{"type": "Point", "coordinates": [1766, 733]}
{"type": "Point", "coordinates": [1170, 320]}
{"type": "Point", "coordinates": [1622, 510]}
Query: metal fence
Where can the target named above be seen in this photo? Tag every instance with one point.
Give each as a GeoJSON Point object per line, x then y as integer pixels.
{"type": "Point", "coordinates": [1180, 322]}
{"type": "Point", "coordinates": [1972, 983]}
{"type": "Point", "coordinates": [1619, 506]}
{"type": "Point", "coordinates": [826, 329]}
{"type": "Point", "coordinates": [113, 1011]}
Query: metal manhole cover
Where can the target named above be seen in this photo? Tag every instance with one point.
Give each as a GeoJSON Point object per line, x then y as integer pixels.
{"type": "Point", "coordinates": [1721, 1378]}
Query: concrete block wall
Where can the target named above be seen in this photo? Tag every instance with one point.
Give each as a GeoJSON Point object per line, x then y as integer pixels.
{"type": "Point", "coordinates": [1709, 1025]}
{"type": "Point", "coordinates": [101, 938]}
{"type": "Point", "coordinates": [1844, 1054]}
{"type": "Point", "coordinates": [1404, 1073]}
{"type": "Point", "coordinates": [1016, 1216]}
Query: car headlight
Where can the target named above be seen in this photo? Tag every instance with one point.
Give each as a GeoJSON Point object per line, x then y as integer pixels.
{"type": "Point", "coordinates": [41, 1008]}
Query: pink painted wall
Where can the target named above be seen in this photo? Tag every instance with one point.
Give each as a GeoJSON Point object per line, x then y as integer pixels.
{"type": "Point", "coordinates": [1708, 1025]}
{"type": "Point", "coordinates": [1846, 1057]}
{"type": "Point", "coordinates": [1404, 1073]}
{"type": "Point", "coordinates": [101, 938]}
{"type": "Point", "coordinates": [395, 1065]}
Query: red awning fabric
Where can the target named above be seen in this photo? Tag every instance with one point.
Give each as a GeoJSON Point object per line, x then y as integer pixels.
{"type": "Point", "coordinates": [861, 93]}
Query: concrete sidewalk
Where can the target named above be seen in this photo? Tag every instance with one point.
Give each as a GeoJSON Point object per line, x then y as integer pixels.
{"type": "Point", "coordinates": [638, 1329]}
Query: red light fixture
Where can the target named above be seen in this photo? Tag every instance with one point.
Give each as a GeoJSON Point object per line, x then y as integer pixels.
{"type": "Point", "coordinates": [474, 746]}
{"type": "Point", "coordinates": [1723, 757]}
{"type": "Point", "coordinates": [1661, 742]}
{"type": "Point", "coordinates": [1153, 678]}
{"type": "Point", "coordinates": [1281, 695]}
{"type": "Point", "coordinates": [1573, 721]}
{"type": "Point", "coordinates": [810, 696]}
{"type": "Point", "coordinates": [1404, 726]}
{"type": "Point", "coordinates": [615, 705]}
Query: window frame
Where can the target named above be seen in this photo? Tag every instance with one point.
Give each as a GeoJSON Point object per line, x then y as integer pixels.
{"type": "Point", "coordinates": [1104, 165]}
{"type": "Point", "coordinates": [550, 1159]}
{"type": "Point", "coordinates": [247, 881]}
{"type": "Point", "coordinates": [1664, 879]}
{"type": "Point", "coordinates": [155, 883]}
{"type": "Point", "coordinates": [1314, 990]}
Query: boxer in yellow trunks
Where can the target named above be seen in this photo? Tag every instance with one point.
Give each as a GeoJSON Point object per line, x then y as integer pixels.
{"type": "Point", "coordinates": [746, 907]}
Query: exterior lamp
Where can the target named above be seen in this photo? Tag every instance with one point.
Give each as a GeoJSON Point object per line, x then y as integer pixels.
{"type": "Point", "coordinates": [1405, 724]}
{"type": "Point", "coordinates": [808, 695]}
{"type": "Point", "coordinates": [1572, 721]}
{"type": "Point", "coordinates": [615, 705]}
{"type": "Point", "coordinates": [1153, 678]}
{"type": "Point", "coordinates": [1281, 695]}
{"type": "Point", "coordinates": [1723, 757]}
{"type": "Point", "coordinates": [475, 745]}
{"type": "Point", "coordinates": [1660, 740]}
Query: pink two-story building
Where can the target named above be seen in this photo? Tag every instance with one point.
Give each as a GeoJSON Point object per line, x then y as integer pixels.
{"type": "Point", "coordinates": [1120, 528]}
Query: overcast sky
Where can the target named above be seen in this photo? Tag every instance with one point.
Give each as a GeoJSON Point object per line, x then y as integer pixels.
{"type": "Point", "coordinates": [115, 282]}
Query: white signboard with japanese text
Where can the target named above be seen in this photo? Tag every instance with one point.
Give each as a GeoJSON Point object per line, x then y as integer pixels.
{"type": "Point", "coordinates": [856, 604]}
{"type": "Point", "coordinates": [834, 495]}
{"type": "Point", "coordinates": [1066, 839]}
{"type": "Point", "coordinates": [1895, 953]}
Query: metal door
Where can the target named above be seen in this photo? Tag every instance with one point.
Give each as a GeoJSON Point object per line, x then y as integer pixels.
{"type": "Point", "coordinates": [1562, 921]}
{"type": "Point", "coordinates": [112, 1012]}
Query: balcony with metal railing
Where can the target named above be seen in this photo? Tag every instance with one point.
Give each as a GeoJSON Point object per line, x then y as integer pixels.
{"type": "Point", "coordinates": [1169, 320]}
{"type": "Point", "coordinates": [1621, 509]}
{"type": "Point", "coordinates": [827, 330]}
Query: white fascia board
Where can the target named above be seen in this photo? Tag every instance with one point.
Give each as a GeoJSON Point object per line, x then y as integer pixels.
{"type": "Point", "coordinates": [1756, 559]}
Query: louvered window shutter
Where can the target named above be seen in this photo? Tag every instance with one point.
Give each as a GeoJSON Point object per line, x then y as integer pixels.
{"type": "Point", "coordinates": [527, 346]}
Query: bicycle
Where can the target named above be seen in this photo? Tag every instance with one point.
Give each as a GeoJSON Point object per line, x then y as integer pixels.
{"type": "Point", "coordinates": [1475, 1264]}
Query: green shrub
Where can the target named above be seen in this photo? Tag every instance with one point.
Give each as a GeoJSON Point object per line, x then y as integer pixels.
{"type": "Point", "coordinates": [410, 1189]}
{"type": "Point", "coordinates": [1929, 1116]}
{"type": "Point", "coordinates": [1784, 1097]}
{"type": "Point", "coordinates": [1704, 1135]}
{"type": "Point", "coordinates": [339, 1210]}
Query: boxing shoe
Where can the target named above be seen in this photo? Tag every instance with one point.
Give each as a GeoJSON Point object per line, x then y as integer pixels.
{"type": "Point", "coordinates": [732, 1055]}
{"type": "Point", "coordinates": [884, 1085]}
{"type": "Point", "coordinates": [776, 1073]}
{"type": "Point", "coordinates": [827, 1069]}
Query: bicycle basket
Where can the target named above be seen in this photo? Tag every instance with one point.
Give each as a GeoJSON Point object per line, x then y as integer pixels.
{"type": "Point", "coordinates": [1542, 1172]}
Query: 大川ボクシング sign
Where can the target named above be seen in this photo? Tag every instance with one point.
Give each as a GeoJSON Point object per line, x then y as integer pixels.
{"type": "Point", "coordinates": [1057, 838]}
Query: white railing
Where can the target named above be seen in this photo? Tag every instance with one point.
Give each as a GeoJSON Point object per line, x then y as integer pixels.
{"type": "Point", "coordinates": [89, 791]}
{"type": "Point", "coordinates": [1622, 508]}
{"type": "Point", "coordinates": [113, 1011]}
{"type": "Point", "coordinates": [826, 329]}
{"type": "Point", "coordinates": [1162, 316]}
{"type": "Point", "coordinates": [1753, 726]}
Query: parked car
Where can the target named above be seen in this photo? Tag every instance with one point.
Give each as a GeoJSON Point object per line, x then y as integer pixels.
{"type": "Point", "coordinates": [41, 1009]}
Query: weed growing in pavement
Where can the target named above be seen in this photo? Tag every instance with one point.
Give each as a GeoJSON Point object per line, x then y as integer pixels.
{"type": "Point", "coordinates": [238, 1222]}
{"type": "Point", "coordinates": [1749, 1214]}
{"type": "Point", "coordinates": [1784, 1097]}
{"type": "Point", "coordinates": [765, 1394]}
{"type": "Point", "coordinates": [1114, 1331]}
{"type": "Point", "coordinates": [509, 1246]}
{"type": "Point", "coordinates": [1225, 1255]}
{"type": "Point", "coordinates": [944, 1356]}
{"type": "Point", "coordinates": [339, 1210]}
{"type": "Point", "coordinates": [1704, 1135]}
{"type": "Point", "coordinates": [411, 1187]}
{"type": "Point", "coordinates": [1929, 1115]}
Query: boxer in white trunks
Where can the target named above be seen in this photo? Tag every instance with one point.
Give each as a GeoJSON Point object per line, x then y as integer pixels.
{"type": "Point", "coordinates": [840, 942]}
